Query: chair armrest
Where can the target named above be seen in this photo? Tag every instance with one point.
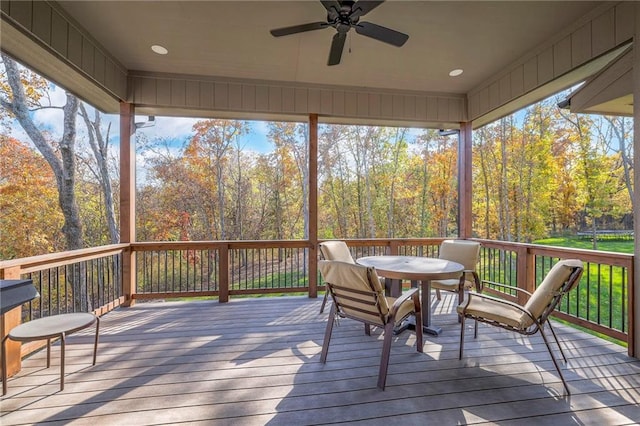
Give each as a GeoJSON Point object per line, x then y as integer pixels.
{"type": "Point", "coordinates": [411, 293]}
{"type": "Point", "coordinates": [476, 279]}
{"type": "Point", "coordinates": [495, 299]}
{"type": "Point", "coordinates": [516, 289]}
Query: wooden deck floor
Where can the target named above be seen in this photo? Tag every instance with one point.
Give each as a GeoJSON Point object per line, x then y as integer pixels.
{"type": "Point", "coordinates": [256, 362]}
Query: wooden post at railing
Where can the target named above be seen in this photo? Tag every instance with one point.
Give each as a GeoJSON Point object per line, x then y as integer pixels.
{"type": "Point", "coordinates": [634, 286]}
{"type": "Point", "coordinates": [631, 346]}
{"type": "Point", "coordinates": [465, 199]}
{"type": "Point", "coordinates": [128, 200]}
{"type": "Point", "coordinates": [8, 321]}
{"type": "Point", "coordinates": [128, 276]}
{"type": "Point", "coordinates": [526, 271]}
{"type": "Point", "coordinates": [223, 274]}
{"type": "Point", "coordinates": [313, 205]}
{"type": "Point", "coordinates": [394, 248]}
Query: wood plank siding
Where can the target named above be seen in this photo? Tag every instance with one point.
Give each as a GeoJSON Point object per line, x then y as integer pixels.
{"type": "Point", "coordinates": [55, 40]}
{"type": "Point", "coordinates": [610, 84]}
{"type": "Point", "coordinates": [158, 93]}
{"type": "Point", "coordinates": [256, 361]}
{"type": "Point", "coordinates": [51, 36]}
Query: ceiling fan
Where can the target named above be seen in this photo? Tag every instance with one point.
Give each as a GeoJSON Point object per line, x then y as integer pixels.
{"type": "Point", "coordinates": [344, 15]}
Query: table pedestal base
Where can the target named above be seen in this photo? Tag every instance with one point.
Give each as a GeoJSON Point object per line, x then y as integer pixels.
{"type": "Point", "coordinates": [434, 331]}
{"type": "Point", "coordinates": [408, 324]}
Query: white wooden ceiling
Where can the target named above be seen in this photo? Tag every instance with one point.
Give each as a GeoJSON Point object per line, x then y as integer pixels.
{"type": "Point", "coordinates": [232, 39]}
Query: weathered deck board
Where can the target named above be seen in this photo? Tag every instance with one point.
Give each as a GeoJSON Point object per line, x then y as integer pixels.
{"type": "Point", "coordinates": [256, 361]}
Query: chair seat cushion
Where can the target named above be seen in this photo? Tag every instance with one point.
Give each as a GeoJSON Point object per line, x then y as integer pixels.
{"type": "Point", "coordinates": [549, 287]}
{"type": "Point", "coordinates": [496, 311]}
{"type": "Point", "coordinates": [405, 309]}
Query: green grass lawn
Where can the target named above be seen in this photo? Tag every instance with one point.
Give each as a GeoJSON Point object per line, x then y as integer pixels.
{"type": "Point", "coordinates": [605, 301]}
{"type": "Point", "coordinates": [618, 246]}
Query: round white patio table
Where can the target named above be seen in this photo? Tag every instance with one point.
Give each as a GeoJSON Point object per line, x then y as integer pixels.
{"type": "Point", "coordinates": [55, 326]}
{"type": "Point", "coordinates": [416, 269]}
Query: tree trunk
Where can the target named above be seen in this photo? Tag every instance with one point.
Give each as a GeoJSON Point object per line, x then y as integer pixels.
{"type": "Point", "coordinates": [627, 163]}
{"type": "Point", "coordinates": [66, 180]}
{"type": "Point", "coordinates": [505, 214]}
{"type": "Point", "coordinates": [221, 195]}
{"type": "Point", "coordinates": [424, 213]}
{"type": "Point", "coordinates": [64, 167]}
{"type": "Point", "coordinates": [100, 147]}
{"type": "Point", "coordinates": [392, 199]}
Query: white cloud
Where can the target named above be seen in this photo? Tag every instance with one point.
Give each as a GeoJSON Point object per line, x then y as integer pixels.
{"type": "Point", "coordinates": [261, 127]}
{"type": "Point", "coordinates": [178, 128]}
{"type": "Point", "coordinates": [52, 119]}
{"type": "Point", "coordinates": [257, 140]}
{"type": "Point", "coordinates": [17, 132]}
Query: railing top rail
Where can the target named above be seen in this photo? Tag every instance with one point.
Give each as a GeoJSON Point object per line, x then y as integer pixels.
{"type": "Point", "coordinates": [35, 263]}
{"type": "Point", "coordinates": [51, 260]}
{"type": "Point", "coordinates": [237, 244]}
{"type": "Point", "coordinates": [218, 244]}
{"type": "Point", "coordinates": [390, 241]}
{"type": "Point", "coordinates": [613, 258]}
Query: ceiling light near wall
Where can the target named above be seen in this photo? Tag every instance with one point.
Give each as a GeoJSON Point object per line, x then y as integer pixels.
{"type": "Point", "coordinates": [160, 50]}
{"type": "Point", "coordinates": [456, 72]}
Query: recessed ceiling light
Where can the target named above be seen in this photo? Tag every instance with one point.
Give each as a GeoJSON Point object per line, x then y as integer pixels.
{"type": "Point", "coordinates": [456, 72]}
{"type": "Point", "coordinates": [160, 50]}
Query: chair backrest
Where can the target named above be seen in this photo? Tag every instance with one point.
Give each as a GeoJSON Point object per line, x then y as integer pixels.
{"type": "Point", "coordinates": [336, 250]}
{"type": "Point", "coordinates": [467, 253]}
{"type": "Point", "coordinates": [560, 280]}
{"type": "Point", "coordinates": [356, 291]}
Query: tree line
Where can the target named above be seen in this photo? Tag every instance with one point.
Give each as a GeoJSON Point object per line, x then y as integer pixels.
{"type": "Point", "coordinates": [551, 172]}
{"type": "Point", "coordinates": [373, 182]}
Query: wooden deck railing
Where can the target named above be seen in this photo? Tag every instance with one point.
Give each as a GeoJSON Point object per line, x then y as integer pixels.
{"type": "Point", "coordinates": [602, 300]}
{"type": "Point", "coordinates": [95, 272]}
{"type": "Point", "coordinates": [223, 269]}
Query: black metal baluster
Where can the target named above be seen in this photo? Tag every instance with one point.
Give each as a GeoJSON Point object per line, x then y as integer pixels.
{"type": "Point", "coordinates": [622, 300]}
{"type": "Point", "coordinates": [611, 301]}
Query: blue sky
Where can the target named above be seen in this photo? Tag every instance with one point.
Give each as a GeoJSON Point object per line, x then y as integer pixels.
{"type": "Point", "coordinates": [174, 130]}
{"type": "Point", "coordinates": [178, 129]}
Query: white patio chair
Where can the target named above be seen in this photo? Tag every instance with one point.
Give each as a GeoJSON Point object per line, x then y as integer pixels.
{"type": "Point", "coordinates": [357, 294]}
{"type": "Point", "coordinates": [533, 316]}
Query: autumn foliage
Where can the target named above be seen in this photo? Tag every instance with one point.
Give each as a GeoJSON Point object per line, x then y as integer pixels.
{"type": "Point", "coordinates": [31, 219]}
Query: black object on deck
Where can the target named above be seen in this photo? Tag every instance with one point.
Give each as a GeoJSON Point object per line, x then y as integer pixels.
{"type": "Point", "coordinates": [14, 293]}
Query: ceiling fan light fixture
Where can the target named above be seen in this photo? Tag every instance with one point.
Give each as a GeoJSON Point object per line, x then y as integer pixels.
{"type": "Point", "coordinates": [160, 50]}
{"type": "Point", "coordinates": [342, 15]}
{"type": "Point", "coordinates": [456, 72]}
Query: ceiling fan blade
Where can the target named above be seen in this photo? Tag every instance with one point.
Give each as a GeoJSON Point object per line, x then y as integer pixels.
{"type": "Point", "coordinates": [380, 33]}
{"type": "Point", "coordinates": [363, 7]}
{"type": "Point", "coordinates": [331, 5]}
{"type": "Point", "coordinates": [279, 32]}
{"type": "Point", "coordinates": [337, 45]}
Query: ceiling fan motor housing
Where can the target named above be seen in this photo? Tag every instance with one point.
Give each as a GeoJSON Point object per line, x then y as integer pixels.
{"type": "Point", "coordinates": [344, 15]}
